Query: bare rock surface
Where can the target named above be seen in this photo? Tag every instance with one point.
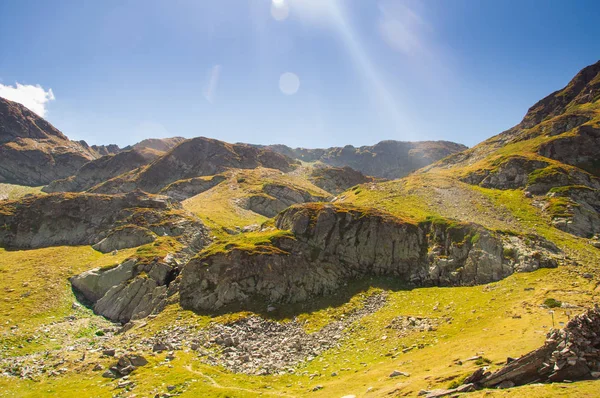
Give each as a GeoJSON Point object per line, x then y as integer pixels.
{"type": "Point", "coordinates": [331, 244]}
{"type": "Point", "coordinates": [184, 189]}
{"type": "Point", "coordinates": [112, 222]}
{"type": "Point", "coordinates": [336, 180]}
{"type": "Point", "coordinates": [275, 198]}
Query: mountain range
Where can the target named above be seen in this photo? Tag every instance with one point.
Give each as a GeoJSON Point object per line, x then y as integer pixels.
{"type": "Point", "coordinates": [199, 267]}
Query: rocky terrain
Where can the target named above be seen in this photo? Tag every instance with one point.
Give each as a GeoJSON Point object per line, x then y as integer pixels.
{"type": "Point", "coordinates": [108, 222]}
{"type": "Point", "coordinates": [570, 354]}
{"type": "Point", "coordinates": [330, 245]}
{"type": "Point", "coordinates": [552, 151]}
{"type": "Point", "coordinates": [337, 179]}
{"type": "Point", "coordinates": [195, 158]}
{"type": "Point", "coordinates": [387, 159]}
{"type": "Point", "coordinates": [201, 268]}
{"type": "Point", "coordinates": [102, 169]}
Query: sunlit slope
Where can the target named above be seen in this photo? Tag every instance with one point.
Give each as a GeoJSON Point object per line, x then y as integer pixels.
{"type": "Point", "coordinates": [229, 205]}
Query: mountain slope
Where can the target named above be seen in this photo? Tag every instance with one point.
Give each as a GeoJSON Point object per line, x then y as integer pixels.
{"type": "Point", "coordinates": [102, 169]}
{"type": "Point", "coordinates": [196, 157]}
{"type": "Point", "coordinates": [552, 155]}
{"type": "Point", "coordinates": [34, 152]}
{"type": "Point", "coordinates": [387, 159]}
{"type": "Point", "coordinates": [324, 299]}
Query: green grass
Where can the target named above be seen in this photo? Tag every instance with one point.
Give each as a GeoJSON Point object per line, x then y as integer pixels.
{"type": "Point", "coordinates": [251, 242]}
{"type": "Point", "coordinates": [14, 192]}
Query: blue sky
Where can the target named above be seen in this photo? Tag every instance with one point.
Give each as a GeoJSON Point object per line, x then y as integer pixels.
{"type": "Point", "coordinates": [355, 71]}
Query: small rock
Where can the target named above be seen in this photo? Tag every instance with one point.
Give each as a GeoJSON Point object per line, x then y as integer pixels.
{"type": "Point", "coordinates": [98, 367]}
{"type": "Point", "coordinates": [506, 384]}
{"type": "Point", "coordinates": [397, 373]}
{"type": "Point", "coordinates": [109, 374]}
{"type": "Point", "coordinates": [137, 360]}
{"type": "Point", "coordinates": [317, 388]}
{"type": "Point", "coordinates": [109, 352]}
{"type": "Point", "coordinates": [170, 388]}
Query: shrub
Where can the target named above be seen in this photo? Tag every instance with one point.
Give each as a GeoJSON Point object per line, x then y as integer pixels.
{"type": "Point", "coordinates": [552, 303]}
{"type": "Point", "coordinates": [483, 361]}
{"type": "Point", "coordinates": [510, 253]}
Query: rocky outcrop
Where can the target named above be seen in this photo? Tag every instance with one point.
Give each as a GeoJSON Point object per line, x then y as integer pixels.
{"type": "Point", "coordinates": [274, 198]}
{"type": "Point", "coordinates": [184, 189]}
{"type": "Point", "coordinates": [103, 169]}
{"type": "Point", "coordinates": [125, 366]}
{"type": "Point", "coordinates": [32, 151]}
{"type": "Point", "coordinates": [94, 284]}
{"type": "Point", "coordinates": [512, 173]}
{"type": "Point", "coordinates": [336, 180]}
{"type": "Point", "coordinates": [580, 149]}
{"type": "Point", "coordinates": [124, 237]}
{"type": "Point", "coordinates": [387, 159]}
{"type": "Point", "coordinates": [115, 221]}
{"type": "Point", "coordinates": [104, 150]}
{"type": "Point", "coordinates": [572, 353]}
{"type": "Point", "coordinates": [580, 210]}
{"type": "Point", "coordinates": [133, 289]}
{"type": "Point", "coordinates": [196, 158]}
{"type": "Point", "coordinates": [583, 88]}
{"type": "Point", "coordinates": [332, 244]}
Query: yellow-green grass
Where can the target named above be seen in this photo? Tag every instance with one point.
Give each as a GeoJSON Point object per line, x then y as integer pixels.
{"type": "Point", "coordinates": [221, 206]}
{"type": "Point", "coordinates": [493, 321]}
{"type": "Point", "coordinates": [35, 283]}
{"type": "Point", "coordinates": [14, 192]}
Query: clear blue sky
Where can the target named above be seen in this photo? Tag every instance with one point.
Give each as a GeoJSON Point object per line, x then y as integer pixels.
{"type": "Point", "coordinates": [368, 70]}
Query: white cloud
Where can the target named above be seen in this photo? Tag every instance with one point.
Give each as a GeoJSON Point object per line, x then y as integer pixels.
{"type": "Point", "coordinates": [33, 97]}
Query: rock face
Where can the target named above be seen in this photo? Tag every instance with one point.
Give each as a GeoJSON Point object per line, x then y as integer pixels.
{"type": "Point", "coordinates": [103, 169]}
{"type": "Point", "coordinates": [579, 149]}
{"type": "Point", "coordinates": [111, 222]}
{"type": "Point", "coordinates": [133, 289]}
{"type": "Point", "coordinates": [387, 159]}
{"type": "Point", "coordinates": [196, 158]}
{"type": "Point", "coordinates": [332, 244]}
{"type": "Point", "coordinates": [336, 180]}
{"type": "Point", "coordinates": [583, 88]}
{"type": "Point", "coordinates": [582, 211]}
{"type": "Point", "coordinates": [32, 151]}
{"type": "Point", "coordinates": [277, 197]}
{"type": "Point", "coordinates": [572, 353]}
{"type": "Point", "coordinates": [184, 189]}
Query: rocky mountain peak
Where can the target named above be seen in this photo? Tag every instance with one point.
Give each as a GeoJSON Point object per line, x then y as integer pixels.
{"type": "Point", "coordinates": [583, 88]}
{"type": "Point", "coordinates": [16, 121]}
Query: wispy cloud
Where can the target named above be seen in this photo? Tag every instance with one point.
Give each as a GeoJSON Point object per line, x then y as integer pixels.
{"type": "Point", "coordinates": [212, 84]}
{"type": "Point", "coordinates": [33, 97]}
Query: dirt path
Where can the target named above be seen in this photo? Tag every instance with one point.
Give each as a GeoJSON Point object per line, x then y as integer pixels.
{"type": "Point", "coordinates": [214, 384]}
